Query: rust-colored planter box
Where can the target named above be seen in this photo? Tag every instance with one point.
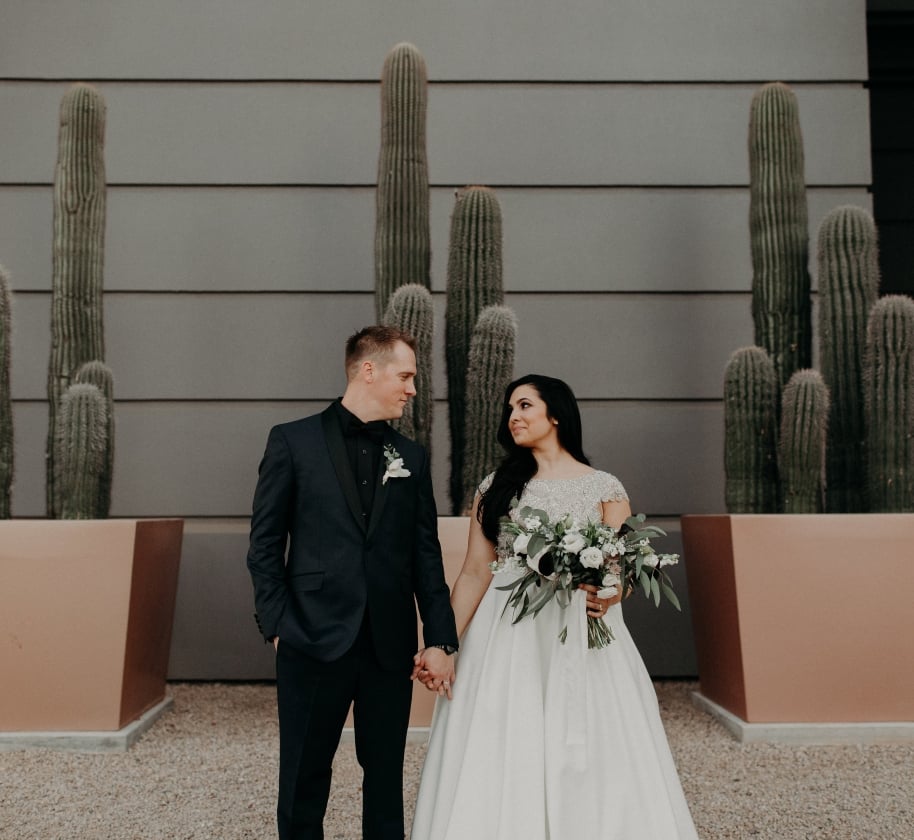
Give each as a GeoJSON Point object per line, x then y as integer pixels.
{"type": "Point", "coordinates": [86, 611]}
{"type": "Point", "coordinates": [804, 618]}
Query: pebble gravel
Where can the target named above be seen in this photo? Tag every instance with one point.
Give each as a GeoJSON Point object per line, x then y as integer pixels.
{"type": "Point", "coordinates": [207, 771]}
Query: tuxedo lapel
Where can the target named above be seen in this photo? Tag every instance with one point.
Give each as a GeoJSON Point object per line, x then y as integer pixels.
{"type": "Point", "coordinates": [381, 489]}
{"type": "Point", "coordinates": [337, 448]}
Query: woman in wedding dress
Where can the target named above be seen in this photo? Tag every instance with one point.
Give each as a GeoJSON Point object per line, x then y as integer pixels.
{"type": "Point", "coordinates": [544, 740]}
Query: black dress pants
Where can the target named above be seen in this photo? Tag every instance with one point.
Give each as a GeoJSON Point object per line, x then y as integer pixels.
{"type": "Point", "coordinates": [314, 698]}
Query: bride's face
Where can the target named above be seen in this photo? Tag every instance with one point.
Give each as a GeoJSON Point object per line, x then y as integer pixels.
{"type": "Point", "coordinates": [529, 421]}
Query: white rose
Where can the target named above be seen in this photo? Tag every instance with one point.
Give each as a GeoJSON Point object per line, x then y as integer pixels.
{"type": "Point", "coordinates": [607, 592]}
{"type": "Point", "coordinates": [520, 544]}
{"type": "Point", "coordinates": [669, 559]}
{"type": "Point", "coordinates": [651, 561]}
{"type": "Point", "coordinates": [611, 580]}
{"type": "Point", "coordinates": [591, 558]}
{"type": "Point", "coordinates": [573, 542]}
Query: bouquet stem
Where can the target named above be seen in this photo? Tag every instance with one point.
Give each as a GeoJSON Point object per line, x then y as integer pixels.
{"type": "Point", "coordinates": [599, 635]}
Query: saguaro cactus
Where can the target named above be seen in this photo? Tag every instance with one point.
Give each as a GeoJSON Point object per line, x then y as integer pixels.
{"type": "Point", "coordinates": [410, 309]}
{"type": "Point", "coordinates": [801, 445]}
{"type": "Point", "coordinates": [750, 431]}
{"type": "Point", "coordinates": [6, 405]}
{"type": "Point", "coordinates": [79, 235]}
{"type": "Point", "coordinates": [889, 399]}
{"type": "Point", "coordinates": [99, 375]}
{"type": "Point", "coordinates": [80, 445]}
{"type": "Point", "coordinates": [779, 231]}
{"type": "Point", "coordinates": [402, 245]}
{"type": "Point", "coordinates": [474, 281]}
{"type": "Point", "coordinates": [848, 275]}
{"type": "Point", "coordinates": [489, 370]}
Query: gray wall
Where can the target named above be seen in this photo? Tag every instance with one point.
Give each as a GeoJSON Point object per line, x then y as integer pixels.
{"type": "Point", "coordinates": [241, 151]}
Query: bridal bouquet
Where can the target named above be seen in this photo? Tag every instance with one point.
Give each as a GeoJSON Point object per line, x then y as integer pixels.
{"type": "Point", "coordinates": [556, 557]}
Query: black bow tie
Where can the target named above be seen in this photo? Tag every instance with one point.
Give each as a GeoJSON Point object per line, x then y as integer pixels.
{"type": "Point", "coordinates": [373, 429]}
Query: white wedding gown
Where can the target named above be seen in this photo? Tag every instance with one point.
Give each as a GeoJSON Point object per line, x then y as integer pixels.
{"type": "Point", "coordinates": [544, 740]}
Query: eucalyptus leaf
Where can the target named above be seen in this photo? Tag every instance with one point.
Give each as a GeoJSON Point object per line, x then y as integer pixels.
{"type": "Point", "coordinates": [655, 591]}
{"type": "Point", "coordinates": [671, 596]}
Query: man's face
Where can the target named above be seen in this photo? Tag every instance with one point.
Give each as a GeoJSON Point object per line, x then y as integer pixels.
{"type": "Point", "coordinates": [393, 381]}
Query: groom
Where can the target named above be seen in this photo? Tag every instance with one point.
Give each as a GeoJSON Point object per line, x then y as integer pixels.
{"type": "Point", "coordinates": [353, 498]}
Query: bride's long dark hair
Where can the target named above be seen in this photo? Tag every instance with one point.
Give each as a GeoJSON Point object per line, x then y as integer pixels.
{"type": "Point", "coordinates": [519, 465]}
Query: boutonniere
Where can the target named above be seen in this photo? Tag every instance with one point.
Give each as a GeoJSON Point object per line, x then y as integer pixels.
{"type": "Point", "coordinates": [395, 468]}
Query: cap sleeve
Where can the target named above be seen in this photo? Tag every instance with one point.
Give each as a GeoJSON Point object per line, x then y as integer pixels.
{"type": "Point", "coordinates": [611, 489]}
{"type": "Point", "coordinates": [486, 483]}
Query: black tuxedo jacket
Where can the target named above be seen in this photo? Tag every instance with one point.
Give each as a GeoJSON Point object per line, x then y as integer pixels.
{"type": "Point", "coordinates": [313, 595]}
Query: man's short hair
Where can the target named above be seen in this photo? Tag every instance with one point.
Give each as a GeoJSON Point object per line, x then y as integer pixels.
{"type": "Point", "coordinates": [375, 342]}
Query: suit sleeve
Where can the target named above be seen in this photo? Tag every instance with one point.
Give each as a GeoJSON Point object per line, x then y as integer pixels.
{"type": "Point", "coordinates": [269, 530]}
{"type": "Point", "coordinates": [432, 593]}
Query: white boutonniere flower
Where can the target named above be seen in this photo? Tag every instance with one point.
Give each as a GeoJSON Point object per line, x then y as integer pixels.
{"type": "Point", "coordinates": [395, 468]}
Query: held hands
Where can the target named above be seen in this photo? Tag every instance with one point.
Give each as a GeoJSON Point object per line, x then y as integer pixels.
{"type": "Point", "coordinates": [597, 607]}
{"type": "Point", "coordinates": [435, 670]}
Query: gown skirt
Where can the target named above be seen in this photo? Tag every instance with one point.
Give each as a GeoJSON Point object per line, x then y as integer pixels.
{"type": "Point", "coordinates": [547, 740]}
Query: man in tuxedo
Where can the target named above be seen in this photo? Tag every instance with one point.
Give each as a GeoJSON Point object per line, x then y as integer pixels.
{"type": "Point", "coordinates": [353, 500]}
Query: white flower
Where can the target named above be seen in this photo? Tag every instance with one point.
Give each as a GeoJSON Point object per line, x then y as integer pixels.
{"type": "Point", "coordinates": [611, 580]}
{"type": "Point", "coordinates": [591, 558]}
{"type": "Point", "coordinates": [531, 523]}
{"type": "Point", "coordinates": [573, 542]}
{"type": "Point", "coordinates": [520, 544]}
{"type": "Point", "coordinates": [651, 561]}
{"type": "Point", "coordinates": [395, 468]}
{"type": "Point", "coordinates": [668, 560]}
{"type": "Point", "coordinates": [607, 592]}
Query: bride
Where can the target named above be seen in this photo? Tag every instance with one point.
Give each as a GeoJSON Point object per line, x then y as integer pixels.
{"type": "Point", "coordinates": [544, 740]}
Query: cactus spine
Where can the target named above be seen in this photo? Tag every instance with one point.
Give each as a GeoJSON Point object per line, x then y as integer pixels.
{"type": "Point", "coordinates": [848, 261]}
{"type": "Point", "coordinates": [474, 281]}
{"type": "Point", "coordinates": [410, 309]}
{"type": "Point", "coordinates": [779, 235]}
{"type": "Point", "coordinates": [489, 371]}
{"type": "Point", "coordinates": [81, 444]}
{"type": "Point", "coordinates": [402, 242]}
{"type": "Point", "coordinates": [79, 234]}
{"type": "Point", "coordinates": [99, 375]}
{"type": "Point", "coordinates": [750, 452]}
{"type": "Point", "coordinates": [6, 404]}
{"type": "Point", "coordinates": [889, 399]}
{"type": "Point", "coordinates": [801, 450]}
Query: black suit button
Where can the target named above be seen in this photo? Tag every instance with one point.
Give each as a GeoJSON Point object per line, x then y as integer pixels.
{"type": "Point", "coordinates": [364, 482]}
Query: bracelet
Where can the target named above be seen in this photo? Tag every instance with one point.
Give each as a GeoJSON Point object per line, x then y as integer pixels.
{"type": "Point", "coordinates": [450, 650]}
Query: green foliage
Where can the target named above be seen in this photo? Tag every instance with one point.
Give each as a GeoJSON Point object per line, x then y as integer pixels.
{"type": "Point", "coordinates": [474, 281]}
{"type": "Point", "coordinates": [99, 374]}
{"type": "Point", "coordinates": [80, 460]}
{"type": "Point", "coordinates": [848, 277]}
{"type": "Point", "coordinates": [6, 404]}
{"type": "Point", "coordinates": [779, 235]}
{"type": "Point", "coordinates": [889, 400]}
{"type": "Point", "coordinates": [750, 451]}
{"type": "Point", "coordinates": [801, 449]}
{"type": "Point", "coordinates": [78, 256]}
{"type": "Point", "coordinates": [402, 242]}
{"type": "Point", "coordinates": [410, 309]}
{"type": "Point", "coordinates": [490, 368]}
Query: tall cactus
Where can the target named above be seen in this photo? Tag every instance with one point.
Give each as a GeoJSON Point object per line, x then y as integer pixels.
{"type": "Point", "coordinates": [474, 281]}
{"type": "Point", "coordinates": [889, 399]}
{"type": "Point", "coordinates": [410, 309]}
{"type": "Point", "coordinates": [402, 243]}
{"type": "Point", "coordinates": [489, 370]}
{"type": "Point", "coordinates": [801, 445]}
{"type": "Point", "coordinates": [79, 235]}
{"type": "Point", "coordinates": [779, 231]}
{"type": "Point", "coordinates": [6, 403]}
{"type": "Point", "coordinates": [99, 374]}
{"type": "Point", "coordinates": [750, 432]}
{"type": "Point", "coordinates": [80, 449]}
{"type": "Point", "coordinates": [848, 261]}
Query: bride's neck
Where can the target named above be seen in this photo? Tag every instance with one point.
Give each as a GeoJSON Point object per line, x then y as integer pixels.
{"type": "Point", "coordinates": [555, 462]}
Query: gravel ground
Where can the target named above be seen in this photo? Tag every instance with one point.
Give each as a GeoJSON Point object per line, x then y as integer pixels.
{"type": "Point", "coordinates": [207, 769]}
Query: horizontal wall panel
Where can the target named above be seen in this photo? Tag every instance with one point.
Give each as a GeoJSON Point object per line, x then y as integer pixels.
{"type": "Point", "coordinates": [200, 459]}
{"type": "Point", "coordinates": [327, 133]}
{"type": "Point", "coordinates": [284, 346]}
{"type": "Point", "coordinates": [322, 239]}
{"type": "Point", "coordinates": [508, 39]}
